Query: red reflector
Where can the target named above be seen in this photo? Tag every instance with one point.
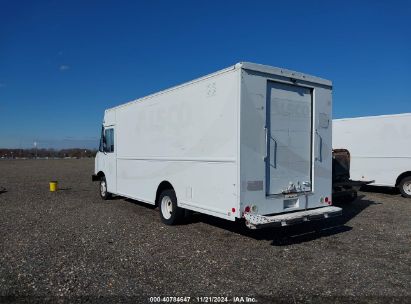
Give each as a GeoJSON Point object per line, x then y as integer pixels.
{"type": "Point", "coordinates": [233, 210]}
{"type": "Point", "coordinates": [326, 199]}
{"type": "Point", "coordinates": [247, 209]}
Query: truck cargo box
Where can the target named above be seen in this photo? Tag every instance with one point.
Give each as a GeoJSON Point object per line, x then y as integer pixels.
{"type": "Point", "coordinates": [249, 139]}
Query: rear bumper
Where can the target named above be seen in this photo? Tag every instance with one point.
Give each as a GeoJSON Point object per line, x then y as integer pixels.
{"type": "Point", "coordinates": [95, 178]}
{"type": "Point", "coordinates": [254, 221]}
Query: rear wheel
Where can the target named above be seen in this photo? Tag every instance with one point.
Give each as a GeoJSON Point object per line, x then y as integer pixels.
{"type": "Point", "coordinates": [103, 189]}
{"type": "Point", "coordinates": [170, 213]}
{"type": "Point", "coordinates": [405, 187]}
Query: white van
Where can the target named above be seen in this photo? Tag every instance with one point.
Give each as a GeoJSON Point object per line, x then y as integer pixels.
{"type": "Point", "coordinates": [380, 148]}
{"type": "Point", "coordinates": [250, 141]}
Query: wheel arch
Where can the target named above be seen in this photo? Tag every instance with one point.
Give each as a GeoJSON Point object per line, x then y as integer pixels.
{"type": "Point", "coordinates": [401, 176]}
{"type": "Point", "coordinates": [164, 185]}
{"type": "Point", "coordinates": [100, 174]}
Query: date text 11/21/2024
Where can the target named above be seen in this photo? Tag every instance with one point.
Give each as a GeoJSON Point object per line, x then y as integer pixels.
{"type": "Point", "coordinates": [203, 299]}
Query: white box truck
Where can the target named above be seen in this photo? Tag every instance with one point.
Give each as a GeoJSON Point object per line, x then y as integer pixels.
{"type": "Point", "coordinates": [250, 141]}
{"type": "Point", "coordinates": [380, 148]}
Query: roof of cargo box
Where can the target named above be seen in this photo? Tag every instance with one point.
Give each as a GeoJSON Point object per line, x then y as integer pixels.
{"type": "Point", "coordinates": [266, 69]}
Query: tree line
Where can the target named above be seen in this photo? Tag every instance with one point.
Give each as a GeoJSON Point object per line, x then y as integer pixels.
{"type": "Point", "coordinates": [46, 153]}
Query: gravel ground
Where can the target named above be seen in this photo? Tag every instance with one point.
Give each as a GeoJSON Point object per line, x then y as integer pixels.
{"type": "Point", "coordinates": [72, 246]}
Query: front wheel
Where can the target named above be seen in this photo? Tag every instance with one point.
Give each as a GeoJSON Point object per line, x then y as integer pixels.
{"type": "Point", "coordinates": [170, 213]}
{"type": "Point", "coordinates": [405, 187]}
{"type": "Point", "coordinates": [103, 189]}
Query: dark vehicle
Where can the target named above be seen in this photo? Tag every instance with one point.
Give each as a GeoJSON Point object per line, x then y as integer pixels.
{"type": "Point", "coordinates": [344, 189]}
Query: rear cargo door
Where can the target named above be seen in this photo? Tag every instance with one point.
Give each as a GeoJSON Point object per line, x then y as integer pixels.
{"type": "Point", "coordinates": [289, 130]}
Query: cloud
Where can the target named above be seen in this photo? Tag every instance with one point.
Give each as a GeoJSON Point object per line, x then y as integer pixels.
{"type": "Point", "coordinates": [64, 67]}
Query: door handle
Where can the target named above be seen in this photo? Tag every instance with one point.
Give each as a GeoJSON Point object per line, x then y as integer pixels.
{"type": "Point", "coordinates": [320, 147]}
{"type": "Point", "coordinates": [266, 143]}
{"type": "Point", "coordinates": [275, 152]}
{"type": "Point", "coordinates": [268, 137]}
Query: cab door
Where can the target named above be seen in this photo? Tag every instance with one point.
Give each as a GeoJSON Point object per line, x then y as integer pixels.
{"type": "Point", "coordinates": [110, 158]}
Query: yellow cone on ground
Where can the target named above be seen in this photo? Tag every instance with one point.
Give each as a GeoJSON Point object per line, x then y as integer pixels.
{"type": "Point", "coordinates": [53, 186]}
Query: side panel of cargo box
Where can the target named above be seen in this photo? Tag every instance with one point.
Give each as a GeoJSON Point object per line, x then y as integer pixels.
{"type": "Point", "coordinates": [286, 154]}
{"type": "Point", "coordinates": [185, 136]}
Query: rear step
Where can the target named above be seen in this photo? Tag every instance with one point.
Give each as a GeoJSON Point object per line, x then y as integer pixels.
{"type": "Point", "coordinates": [254, 221]}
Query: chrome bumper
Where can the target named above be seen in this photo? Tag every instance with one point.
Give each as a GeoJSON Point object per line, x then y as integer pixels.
{"type": "Point", "coordinates": [254, 221]}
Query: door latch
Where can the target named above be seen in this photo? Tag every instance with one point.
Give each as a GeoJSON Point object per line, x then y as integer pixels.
{"type": "Point", "coordinates": [307, 184]}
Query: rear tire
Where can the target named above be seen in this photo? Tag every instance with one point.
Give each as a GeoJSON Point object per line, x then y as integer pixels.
{"type": "Point", "coordinates": [405, 187]}
{"type": "Point", "coordinates": [104, 194]}
{"type": "Point", "coordinates": [170, 213]}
